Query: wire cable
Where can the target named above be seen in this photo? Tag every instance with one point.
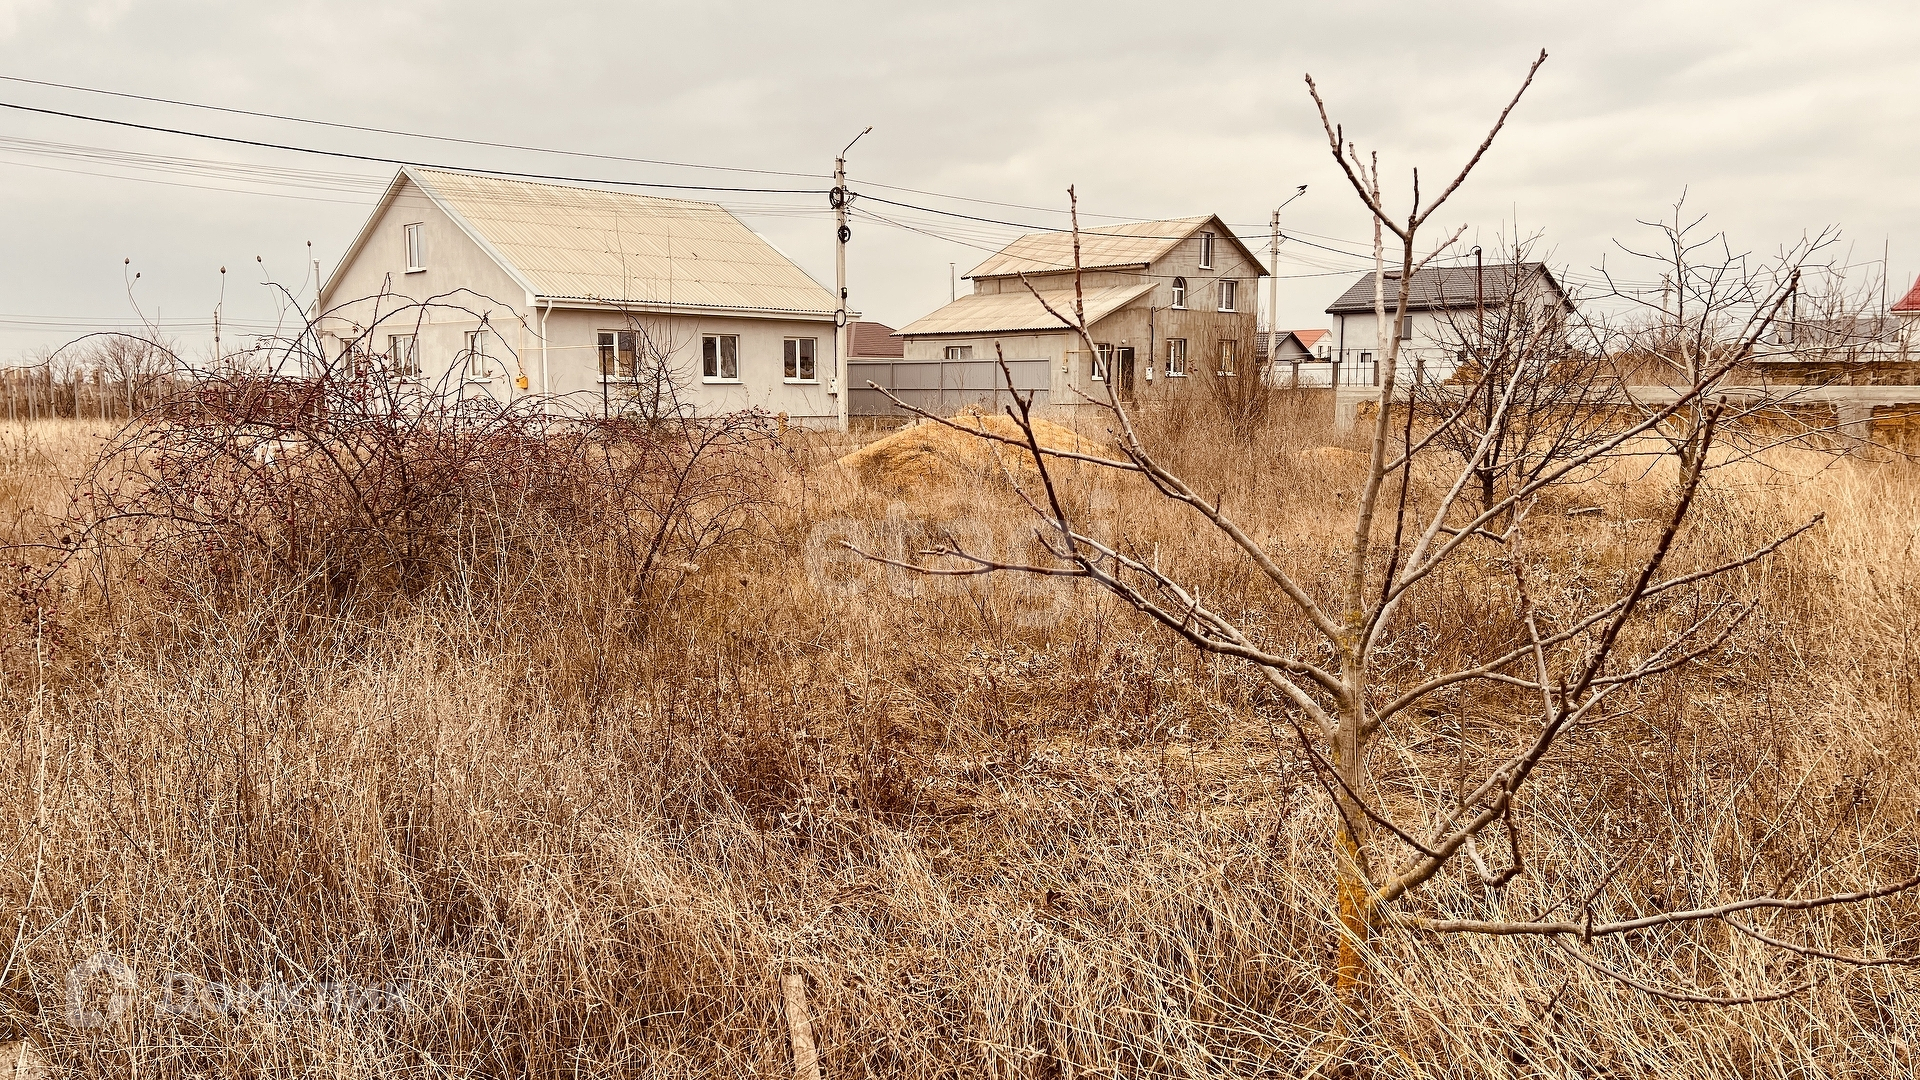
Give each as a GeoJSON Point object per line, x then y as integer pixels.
{"type": "Point", "coordinates": [347, 156]}
{"type": "Point", "coordinates": [395, 131]}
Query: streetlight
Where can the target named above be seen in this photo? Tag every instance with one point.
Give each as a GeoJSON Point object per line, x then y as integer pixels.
{"type": "Point", "coordinates": [841, 234]}
{"type": "Point", "coordinates": [1273, 286]}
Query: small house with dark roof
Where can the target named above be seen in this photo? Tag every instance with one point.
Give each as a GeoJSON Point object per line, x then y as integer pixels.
{"type": "Point", "coordinates": [1293, 357]}
{"type": "Point", "coordinates": [1164, 301]}
{"type": "Point", "coordinates": [1438, 326]}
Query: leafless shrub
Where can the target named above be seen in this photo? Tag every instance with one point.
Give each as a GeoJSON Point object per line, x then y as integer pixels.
{"type": "Point", "coordinates": [1531, 386]}
{"type": "Point", "coordinates": [1714, 313]}
{"type": "Point", "coordinates": [346, 483]}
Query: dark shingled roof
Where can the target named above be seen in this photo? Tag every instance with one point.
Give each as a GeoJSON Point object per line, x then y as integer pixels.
{"type": "Point", "coordinates": [1438, 288]}
{"type": "Point", "coordinates": [875, 340]}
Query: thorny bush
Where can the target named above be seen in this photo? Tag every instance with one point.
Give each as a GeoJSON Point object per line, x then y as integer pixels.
{"type": "Point", "coordinates": [251, 484]}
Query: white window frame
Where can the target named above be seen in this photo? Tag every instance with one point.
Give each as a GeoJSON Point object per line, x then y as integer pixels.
{"type": "Point", "coordinates": [1102, 360]}
{"type": "Point", "coordinates": [1229, 294]}
{"type": "Point", "coordinates": [1229, 362]}
{"type": "Point", "coordinates": [403, 352]}
{"type": "Point", "coordinates": [601, 356]}
{"type": "Point", "coordinates": [479, 366]}
{"type": "Point", "coordinates": [1179, 294]}
{"type": "Point", "coordinates": [414, 236]}
{"type": "Point", "coordinates": [957, 352]}
{"type": "Point", "coordinates": [713, 369]}
{"type": "Point", "coordinates": [1206, 251]}
{"type": "Point", "coordinates": [1177, 358]}
{"type": "Point", "coordinates": [790, 356]}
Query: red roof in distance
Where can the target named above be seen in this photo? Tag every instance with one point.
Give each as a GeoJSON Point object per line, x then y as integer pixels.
{"type": "Point", "coordinates": [876, 340]}
{"type": "Point", "coordinates": [1910, 303]}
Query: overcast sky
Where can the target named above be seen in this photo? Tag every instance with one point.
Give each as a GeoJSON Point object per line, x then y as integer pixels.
{"type": "Point", "coordinates": [1775, 118]}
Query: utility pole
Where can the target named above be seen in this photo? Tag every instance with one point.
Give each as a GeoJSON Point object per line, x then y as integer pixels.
{"type": "Point", "coordinates": [1273, 282]}
{"type": "Point", "coordinates": [953, 283]}
{"type": "Point", "coordinates": [841, 234]}
{"type": "Point", "coordinates": [1273, 290]}
{"type": "Point", "coordinates": [1479, 297]}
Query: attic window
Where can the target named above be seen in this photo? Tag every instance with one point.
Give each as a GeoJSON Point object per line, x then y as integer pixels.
{"type": "Point", "coordinates": [416, 247]}
{"type": "Point", "coordinates": [1206, 251]}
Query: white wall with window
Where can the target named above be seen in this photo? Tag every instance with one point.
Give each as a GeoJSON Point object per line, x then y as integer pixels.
{"type": "Point", "coordinates": [799, 359]}
{"type": "Point", "coordinates": [479, 365]}
{"type": "Point", "coordinates": [416, 245]}
{"type": "Point", "coordinates": [618, 353]}
{"type": "Point", "coordinates": [720, 357]}
{"type": "Point", "coordinates": [403, 352]}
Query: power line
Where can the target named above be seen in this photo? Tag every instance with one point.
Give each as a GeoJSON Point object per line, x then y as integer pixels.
{"type": "Point", "coordinates": [395, 131]}
{"type": "Point", "coordinates": [344, 155]}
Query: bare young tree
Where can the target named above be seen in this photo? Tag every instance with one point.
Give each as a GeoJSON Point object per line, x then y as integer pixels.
{"type": "Point", "coordinates": [643, 368]}
{"type": "Point", "coordinates": [1707, 314]}
{"type": "Point", "coordinates": [1323, 649]}
{"type": "Point", "coordinates": [1530, 383]}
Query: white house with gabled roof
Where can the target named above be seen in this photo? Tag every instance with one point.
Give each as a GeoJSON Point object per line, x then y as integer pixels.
{"type": "Point", "coordinates": [484, 286]}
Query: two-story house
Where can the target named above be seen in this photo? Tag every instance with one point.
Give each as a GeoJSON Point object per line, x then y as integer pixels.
{"type": "Point", "coordinates": [481, 286]}
{"type": "Point", "coordinates": [1166, 303]}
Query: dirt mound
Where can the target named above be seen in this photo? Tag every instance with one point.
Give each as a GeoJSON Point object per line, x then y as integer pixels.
{"type": "Point", "coordinates": [930, 453]}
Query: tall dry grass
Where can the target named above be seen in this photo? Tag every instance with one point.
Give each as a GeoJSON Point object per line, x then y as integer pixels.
{"type": "Point", "coordinates": [1003, 828]}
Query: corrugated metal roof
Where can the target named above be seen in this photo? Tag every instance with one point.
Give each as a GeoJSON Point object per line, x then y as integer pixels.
{"type": "Point", "coordinates": [1444, 287]}
{"type": "Point", "coordinates": [1133, 244]}
{"type": "Point", "coordinates": [989, 313]}
{"type": "Point", "coordinates": [591, 244]}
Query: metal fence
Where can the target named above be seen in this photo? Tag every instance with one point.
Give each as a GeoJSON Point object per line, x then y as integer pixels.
{"type": "Point", "coordinates": [943, 387]}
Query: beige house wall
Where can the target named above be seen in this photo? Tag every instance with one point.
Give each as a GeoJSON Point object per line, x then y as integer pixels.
{"type": "Point", "coordinates": [373, 297]}
{"type": "Point", "coordinates": [573, 363]}
{"type": "Point", "coordinates": [1143, 325]}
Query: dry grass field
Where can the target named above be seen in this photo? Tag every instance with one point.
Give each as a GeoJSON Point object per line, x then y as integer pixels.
{"type": "Point", "coordinates": [522, 823]}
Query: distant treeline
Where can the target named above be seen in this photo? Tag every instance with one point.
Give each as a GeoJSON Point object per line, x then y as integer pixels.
{"type": "Point", "coordinates": [107, 377]}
